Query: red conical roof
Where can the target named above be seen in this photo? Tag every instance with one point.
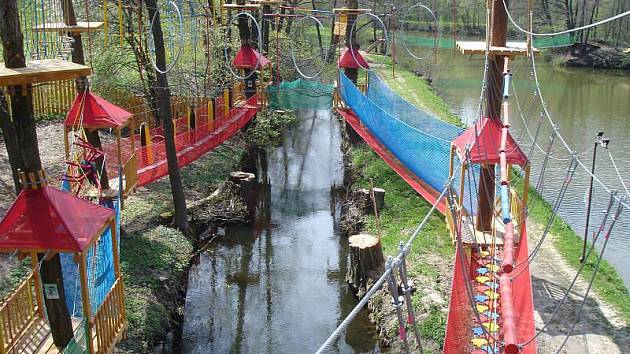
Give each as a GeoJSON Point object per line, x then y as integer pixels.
{"type": "Point", "coordinates": [92, 111]}
{"type": "Point", "coordinates": [248, 58]}
{"type": "Point", "coordinates": [48, 219]}
{"type": "Point", "coordinates": [483, 141]}
{"type": "Point", "coordinates": [348, 61]}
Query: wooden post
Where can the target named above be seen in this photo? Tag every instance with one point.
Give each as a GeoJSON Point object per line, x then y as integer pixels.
{"type": "Point", "coordinates": [132, 133]}
{"type": "Point", "coordinates": [85, 297]}
{"type": "Point", "coordinates": [210, 115]}
{"type": "Point", "coordinates": [112, 225]}
{"type": "Point", "coordinates": [494, 99]}
{"type": "Point", "coordinates": [226, 103]}
{"type": "Point", "coordinates": [39, 293]}
{"type": "Point", "coordinates": [451, 167]}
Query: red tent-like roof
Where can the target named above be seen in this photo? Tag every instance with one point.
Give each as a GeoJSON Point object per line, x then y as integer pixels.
{"type": "Point", "coordinates": [483, 141]}
{"type": "Point", "coordinates": [49, 219]}
{"type": "Point", "coordinates": [90, 110]}
{"type": "Point", "coordinates": [248, 58]}
{"type": "Point", "coordinates": [347, 60]}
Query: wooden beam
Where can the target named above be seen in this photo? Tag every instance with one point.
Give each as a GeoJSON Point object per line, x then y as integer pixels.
{"type": "Point", "coordinates": [511, 49]}
{"type": "Point", "coordinates": [42, 71]}
{"type": "Point", "coordinates": [60, 27]}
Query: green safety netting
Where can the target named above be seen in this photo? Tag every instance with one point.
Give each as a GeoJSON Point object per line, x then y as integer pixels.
{"type": "Point", "coordinates": [303, 94]}
{"type": "Point", "coordinates": [553, 41]}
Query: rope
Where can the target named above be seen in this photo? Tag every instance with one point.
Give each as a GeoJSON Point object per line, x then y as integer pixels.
{"type": "Point", "coordinates": [588, 289]}
{"type": "Point", "coordinates": [613, 18]}
{"type": "Point", "coordinates": [618, 173]}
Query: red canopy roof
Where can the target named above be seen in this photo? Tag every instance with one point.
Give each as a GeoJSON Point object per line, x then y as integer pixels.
{"type": "Point", "coordinates": [347, 60]}
{"type": "Point", "coordinates": [248, 58]}
{"type": "Point", "coordinates": [483, 141]}
{"type": "Point", "coordinates": [90, 110]}
{"type": "Point", "coordinates": [49, 219]}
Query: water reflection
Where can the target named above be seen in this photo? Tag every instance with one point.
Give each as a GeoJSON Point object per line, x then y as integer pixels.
{"type": "Point", "coordinates": [278, 286]}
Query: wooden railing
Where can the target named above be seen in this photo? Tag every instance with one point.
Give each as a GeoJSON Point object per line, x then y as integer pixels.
{"type": "Point", "coordinates": [130, 171]}
{"type": "Point", "coordinates": [362, 87]}
{"type": "Point", "coordinates": [18, 312]}
{"type": "Point", "coordinates": [109, 321]}
{"type": "Point", "coordinates": [53, 97]}
{"type": "Point", "coordinates": [516, 207]}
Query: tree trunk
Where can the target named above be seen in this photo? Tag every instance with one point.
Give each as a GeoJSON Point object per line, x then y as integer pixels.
{"type": "Point", "coordinates": [78, 57]}
{"type": "Point", "coordinates": [28, 157]}
{"type": "Point", "coordinates": [367, 262]}
{"type": "Point", "coordinates": [164, 112]}
{"type": "Point", "coordinates": [10, 142]}
{"type": "Point", "coordinates": [494, 98]}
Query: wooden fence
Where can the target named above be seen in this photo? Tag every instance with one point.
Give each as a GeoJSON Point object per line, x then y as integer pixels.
{"type": "Point", "coordinates": [17, 314]}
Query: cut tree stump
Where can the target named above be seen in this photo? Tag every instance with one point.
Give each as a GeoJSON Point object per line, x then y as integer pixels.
{"type": "Point", "coordinates": [379, 198]}
{"type": "Point", "coordinates": [367, 262]}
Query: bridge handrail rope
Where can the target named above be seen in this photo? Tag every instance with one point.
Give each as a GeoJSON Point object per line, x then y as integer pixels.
{"type": "Point", "coordinates": [384, 277]}
{"type": "Point", "coordinates": [577, 275]}
{"type": "Point", "coordinates": [581, 28]}
{"type": "Point", "coordinates": [618, 173]}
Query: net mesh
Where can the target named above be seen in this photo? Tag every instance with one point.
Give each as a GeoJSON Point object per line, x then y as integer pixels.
{"type": "Point", "coordinates": [416, 138]}
{"type": "Point", "coordinates": [302, 94]}
{"type": "Point", "coordinates": [100, 271]}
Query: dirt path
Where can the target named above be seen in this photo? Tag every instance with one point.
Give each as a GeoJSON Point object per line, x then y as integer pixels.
{"type": "Point", "coordinates": [600, 330]}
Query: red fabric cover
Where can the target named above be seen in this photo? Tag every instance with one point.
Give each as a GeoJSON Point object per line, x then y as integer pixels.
{"type": "Point", "coordinates": [90, 110]}
{"type": "Point", "coordinates": [190, 145]}
{"type": "Point", "coordinates": [426, 191]}
{"type": "Point", "coordinates": [459, 320]}
{"type": "Point", "coordinates": [347, 60]}
{"type": "Point", "coordinates": [522, 297]}
{"type": "Point", "coordinates": [249, 58]}
{"type": "Point", "coordinates": [483, 142]}
{"type": "Point", "coordinates": [49, 219]}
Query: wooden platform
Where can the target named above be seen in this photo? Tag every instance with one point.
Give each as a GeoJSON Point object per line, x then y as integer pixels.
{"type": "Point", "coordinates": [61, 27]}
{"type": "Point", "coordinates": [241, 7]}
{"type": "Point", "coordinates": [485, 238]}
{"type": "Point", "coordinates": [347, 10]}
{"type": "Point", "coordinates": [267, 2]}
{"type": "Point", "coordinates": [479, 48]}
{"type": "Point", "coordinates": [42, 71]}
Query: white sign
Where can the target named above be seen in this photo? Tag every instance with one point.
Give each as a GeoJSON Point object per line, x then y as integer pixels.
{"type": "Point", "coordinates": [51, 291]}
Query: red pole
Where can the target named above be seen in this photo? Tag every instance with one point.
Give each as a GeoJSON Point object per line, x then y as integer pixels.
{"type": "Point", "coordinates": [507, 313]}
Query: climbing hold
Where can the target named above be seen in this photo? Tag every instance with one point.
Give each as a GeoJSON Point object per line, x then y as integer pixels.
{"type": "Point", "coordinates": [481, 298]}
{"type": "Point", "coordinates": [482, 279]}
{"type": "Point", "coordinates": [491, 315]}
{"type": "Point", "coordinates": [484, 253]}
{"type": "Point", "coordinates": [493, 295]}
{"type": "Point", "coordinates": [481, 288]}
{"type": "Point", "coordinates": [489, 349]}
{"type": "Point", "coordinates": [481, 308]}
{"type": "Point", "coordinates": [493, 267]}
{"type": "Point", "coordinates": [477, 331]}
{"type": "Point", "coordinates": [491, 326]}
{"type": "Point", "coordinates": [492, 285]}
{"type": "Point", "coordinates": [479, 342]}
{"type": "Point", "coordinates": [482, 270]}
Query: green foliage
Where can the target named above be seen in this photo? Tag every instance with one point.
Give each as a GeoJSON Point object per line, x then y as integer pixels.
{"type": "Point", "coordinates": [268, 127]}
{"type": "Point", "coordinates": [434, 326]}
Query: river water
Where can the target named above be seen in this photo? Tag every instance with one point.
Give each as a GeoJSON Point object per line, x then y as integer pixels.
{"type": "Point", "coordinates": [278, 285]}
{"type": "Point", "coordinates": [581, 102]}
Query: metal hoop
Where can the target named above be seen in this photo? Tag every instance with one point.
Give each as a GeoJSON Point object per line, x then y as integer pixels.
{"type": "Point", "coordinates": [225, 50]}
{"type": "Point", "coordinates": [181, 39]}
{"type": "Point", "coordinates": [437, 32]}
{"type": "Point", "coordinates": [352, 29]}
{"type": "Point", "coordinates": [320, 27]}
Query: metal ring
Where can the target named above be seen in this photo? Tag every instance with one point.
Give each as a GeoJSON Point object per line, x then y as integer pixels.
{"type": "Point", "coordinates": [225, 50]}
{"type": "Point", "coordinates": [352, 29]}
{"type": "Point", "coordinates": [320, 27]}
{"type": "Point", "coordinates": [437, 32]}
{"type": "Point", "coordinates": [181, 39]}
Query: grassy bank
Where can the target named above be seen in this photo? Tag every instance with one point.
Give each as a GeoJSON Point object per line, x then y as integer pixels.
{"type": "Point", "coordinates": [155, 258]}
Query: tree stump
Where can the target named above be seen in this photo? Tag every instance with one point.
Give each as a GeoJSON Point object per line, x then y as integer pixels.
{"type": "Point", "coordinates": [379, 199]}
{"type": "Point", "coordinates": [367, 262]}
{"type": "Point", "coordinates": [247, 183]}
